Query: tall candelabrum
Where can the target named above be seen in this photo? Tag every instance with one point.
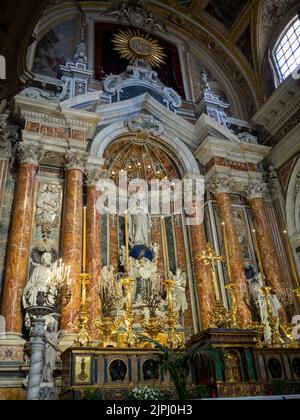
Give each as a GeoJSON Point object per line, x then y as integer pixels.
{"type": "Point", "coordinates": [272, 320]}
{"type": "Point", "coordinates": [58, 290]}
{"type": "Point", "coordinates": [130, 339]}
{"type": "Point", "coordinates": [83, 338]}
{"type": "Point", "coordinates": [220, 317]}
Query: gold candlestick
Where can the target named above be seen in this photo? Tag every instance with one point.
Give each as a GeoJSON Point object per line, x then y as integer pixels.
{"type": "Point", "coordinates": [226, 250]}
{"type": "Point", "coordinates": [291, 259]}
{"type": "Point", "coordinates": [130, 337]}
{"type": "Point", "coordinates": [83, 338]}
{"type": "Point", "coordinates": [209, 257]}
{"type": "Point", "coordinates": [84, 241]}
{"type": "Point", "coordinates": [127, 243]}
{"type": "Point", "coordinates": [256, 246]}
{"type": "Point", "coordinates": [173, 339]}
{"type": "Point", "coordinates": [276, 339]}
{"type": "Point", "coordinates": [165, 246]}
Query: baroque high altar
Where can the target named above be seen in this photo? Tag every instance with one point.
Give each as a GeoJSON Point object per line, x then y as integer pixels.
{"type": "Point", "coordinates": [111, 279]}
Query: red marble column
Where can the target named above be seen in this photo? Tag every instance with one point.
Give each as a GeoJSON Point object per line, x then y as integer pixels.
{"type": "Point", "coordinates": [72, 238]}
{"type": "Point", "coordinates": [203, 275]}
{"type": "Point", "coordinates": [267, 249]}
{"type": "Point", "coordinates": [236, 260]}
{"type": "Point", "coordinates": [18, 254]}
{"type": "Point", "coordinates": [93, 249]}
{"type": "Point", "coordinates": [114, 241]}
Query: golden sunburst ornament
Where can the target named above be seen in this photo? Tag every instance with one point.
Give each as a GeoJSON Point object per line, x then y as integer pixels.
{"type": "Point", "coordinates": [133, 45]}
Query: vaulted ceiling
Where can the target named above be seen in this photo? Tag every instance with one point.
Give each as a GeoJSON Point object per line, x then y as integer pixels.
{"type": "Point", "coordinates": [232, 33]}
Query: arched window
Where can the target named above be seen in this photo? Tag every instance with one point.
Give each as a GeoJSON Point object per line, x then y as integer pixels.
{"type": "Point", "coordinates": [286, 53]}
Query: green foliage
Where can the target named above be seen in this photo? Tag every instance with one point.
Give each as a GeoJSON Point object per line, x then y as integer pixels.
{"type": "Point", "coordinates": [177, 362]}
{"type": "Point", "coordinates": [92, 394]}
{"type": "Point", "coordinates": [201, 391]}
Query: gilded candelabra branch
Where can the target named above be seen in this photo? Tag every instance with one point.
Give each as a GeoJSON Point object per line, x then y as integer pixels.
{"type": "Point", "coordinates": [272, 320]}
{"type": "Point", "coordinates": [173, 339]}
{"type": "Point", "coordinates": [130, 339]}
{"type": "Point", "coordinates": [83, 338]}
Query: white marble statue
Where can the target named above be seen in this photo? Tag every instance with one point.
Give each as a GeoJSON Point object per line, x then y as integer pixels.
{"type": "Point", "coordinates": [139, 219]}
{"type": "Point", "coordinates": [39, 282]}
{"type": "Point", "coordinates": [179, 292]}
{"type": "Point", "coordinates": [256, 285]}
{"type": "Point", "coordinates": [51, 349]}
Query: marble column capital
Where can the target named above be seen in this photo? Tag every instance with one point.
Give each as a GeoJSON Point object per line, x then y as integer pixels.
{"type": "Point", "coordinates": [220, 185]}
{"type": "Point", "coordinates": [255, 189]}
{"type": "Point", "coordinates": [31, 154]}
{"type": "Point", "coordinates": [76, 160]}
{"type": "Point", "coordinates": [93, 175]}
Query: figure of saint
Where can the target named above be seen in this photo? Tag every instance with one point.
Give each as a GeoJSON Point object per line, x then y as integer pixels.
{"type": "Point", "coordinates": [51, 350]}
{"type": "Point", "coordinates": [39, 282]}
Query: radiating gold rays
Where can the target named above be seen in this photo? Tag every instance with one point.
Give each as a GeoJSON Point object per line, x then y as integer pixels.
{"type": "Point", "coordinates": [133, 45]}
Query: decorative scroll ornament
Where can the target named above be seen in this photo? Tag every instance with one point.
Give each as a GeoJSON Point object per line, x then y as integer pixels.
{"type": "Point", "coordinates": [134, 45]}
{"type": "Point", "coordinates": [134, 13]}
{"type": "Point", "coordinates": [145, 124]}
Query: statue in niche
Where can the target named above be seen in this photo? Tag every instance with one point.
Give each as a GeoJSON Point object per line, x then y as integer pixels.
{"type": "Point", "coordinates": [51, 349]}
{"type": "Point", "coordinates": [256, 284]}
{"type": "Point", "coordinates": [181, 304]}
{"type": "Point", "coordinates": [242, 232]}
{"type": "Point", "coordinates": [139, 219]}
{"type": "Point", "coordinates": [204, 83]}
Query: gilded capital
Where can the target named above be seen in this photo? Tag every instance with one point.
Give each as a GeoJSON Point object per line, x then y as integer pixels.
{"type": "Point", "coordinates": [29, 153]}
{"type": "Point", "coordinates": [76, 160]}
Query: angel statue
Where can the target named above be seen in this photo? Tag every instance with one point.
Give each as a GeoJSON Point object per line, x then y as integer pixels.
{"type": "Point", "coordinates": [179, 292]}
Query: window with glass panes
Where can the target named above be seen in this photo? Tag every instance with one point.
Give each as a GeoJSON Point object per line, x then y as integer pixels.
{"type": "Point", "coordinates": [287, 51]}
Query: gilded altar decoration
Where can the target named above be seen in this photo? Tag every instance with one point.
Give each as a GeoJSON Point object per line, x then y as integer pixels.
{"type": "Point", "coordinates": [133, 45]}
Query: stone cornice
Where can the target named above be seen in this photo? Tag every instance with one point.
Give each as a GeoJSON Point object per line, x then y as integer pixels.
{"type": "Point", "coordinates": [280, 107]}
{"type": "Point", "coordinates": [52, 113]}
{"type": "Point", "coordinates": [230, 148]}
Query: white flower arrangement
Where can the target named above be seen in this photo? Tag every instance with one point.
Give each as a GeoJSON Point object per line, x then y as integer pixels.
{"type": "Point", "coordinates": [147, 393]}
